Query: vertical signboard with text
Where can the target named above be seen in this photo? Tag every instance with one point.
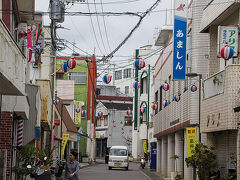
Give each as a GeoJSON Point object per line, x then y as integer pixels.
{"type": "Point", "coordinates": [78, 115]}
{"type": "Point", "coordinates": [191, 140]}
{"type": "Point", "coordinates": [228, 35]}
{"type": "Point", "coordinates": [180, 39]}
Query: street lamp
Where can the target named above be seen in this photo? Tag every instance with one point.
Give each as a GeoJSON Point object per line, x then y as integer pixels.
{"type": "Point", "coordinates": [62, 104]}
{"type": "Point", "coordinates": [191, 75]}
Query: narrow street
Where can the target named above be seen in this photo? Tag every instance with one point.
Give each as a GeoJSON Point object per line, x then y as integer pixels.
{"type": "Point", "coordinates": [101, 172]}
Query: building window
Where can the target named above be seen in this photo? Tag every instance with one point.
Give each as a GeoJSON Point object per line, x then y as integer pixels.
{"type": "Point", "coordinates": [78, 77]}
{"type": "Point", "coordinates": [98, 122]}
{"type": "Point", "coordinates": [106, 121]}
{"type": "Point", "coordinates": [98, 91]}
{"type": "Point", "coordinates": [83, 115]}
{"type": "Point", "coordinates": [128, 121]}
{"type": "Point", "coordinates": [160, 98]}
{"type": "Point", "coordinates": [126, 89]}
{"type": "Point", "coordinates": [118, 75]}
{"type": "Point", "coordinates": [118, 90]}
{"type": "Point", "coordinates": [156, 101]}
{"type": "Point", "coordinates": [60, 76]}
{"type": "Point", "coordinates": [127, 73]}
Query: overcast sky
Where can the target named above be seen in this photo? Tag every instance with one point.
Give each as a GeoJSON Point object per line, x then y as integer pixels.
{"type": "Point", "coordinates": [117, 26]}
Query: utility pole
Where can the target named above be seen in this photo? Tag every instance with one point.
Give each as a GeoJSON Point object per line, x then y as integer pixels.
{"type": "Point", "coordinates": [136, 96]}
{"type": "Point", "coordinates": [56, 15]}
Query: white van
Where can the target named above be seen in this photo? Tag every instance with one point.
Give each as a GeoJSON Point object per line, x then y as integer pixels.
{"type": "Point", "coordinates": [118, 157]}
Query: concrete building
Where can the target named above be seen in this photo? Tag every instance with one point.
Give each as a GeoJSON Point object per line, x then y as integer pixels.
{"type": "Point", "coordinates": [170, 122]}
{"type": "Point", "coordinates": [115, 127]}
{"type": "Point", "coordinates": [143, 128]}
{"type": "Point", "coordinates": [122, 77]}
{"type": "Point", "coordinates": [19, 100]}
{"type": "Point", "coordinates": [219, 120]}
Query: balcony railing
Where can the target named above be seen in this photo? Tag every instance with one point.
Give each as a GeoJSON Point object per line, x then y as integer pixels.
{"type": "Point", "coordinates": [220, 98]}
{"type": "Point", "coordinates": [214, 85]}
{"type": "Point", "coordinates": [12, 64]}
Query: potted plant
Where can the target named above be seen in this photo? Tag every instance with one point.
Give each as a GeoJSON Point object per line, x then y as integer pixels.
{"type": "Point", "coordinates": [30, 159]}
{"type": "Point", "coordinates": [203, 159]}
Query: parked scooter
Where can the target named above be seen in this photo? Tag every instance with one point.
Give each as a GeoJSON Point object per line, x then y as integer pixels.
{"type": "Point", "coordinates": [142, 162]}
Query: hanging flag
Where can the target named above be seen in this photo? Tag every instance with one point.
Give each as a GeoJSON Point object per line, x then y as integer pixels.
{"type": "Point", "coordinates": [20, 133]}
{"type": "Point", "coordinates": [38, 53]}
{"type": "Point", "coordinates": [64, 142]}
{"type": "Point", "coordinates": [29, 43]}
{"type": "Point", "coordinates": [39, 31]}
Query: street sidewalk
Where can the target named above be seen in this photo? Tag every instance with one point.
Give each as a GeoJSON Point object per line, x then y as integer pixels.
{"type": "Point", "coordinates": [151, 173]}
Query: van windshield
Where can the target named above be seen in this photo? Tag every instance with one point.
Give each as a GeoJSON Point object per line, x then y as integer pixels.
{"type": "Point", "coordinates": [118, 152]}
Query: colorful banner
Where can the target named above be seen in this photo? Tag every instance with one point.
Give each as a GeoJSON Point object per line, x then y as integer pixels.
{"type": "Point", "coordinates": [145, 146]}
{"type": "Point", "coordinates": [180, 39]}
{"type": "Point", "coordinates": [78, 115]}
{"type": "Point", "coordinates": [191, 140]}
{"type": "Point", "coordinates": [64, 142]}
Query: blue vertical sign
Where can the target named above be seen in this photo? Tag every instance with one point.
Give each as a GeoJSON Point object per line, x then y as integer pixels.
{"type": "Point", "coordinates": [180, 40]}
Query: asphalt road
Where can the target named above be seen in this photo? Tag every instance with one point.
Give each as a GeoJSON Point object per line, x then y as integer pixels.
{"type": "Point", "coordinates": [101, 172]}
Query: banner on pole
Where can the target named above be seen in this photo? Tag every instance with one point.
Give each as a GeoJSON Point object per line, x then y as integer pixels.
{"type": "Point", "coordinates": [78, 115]}
{"type": "Point", "coordinates": [191, 140]}
{"type": "Point", "coordinates": [64, 142]}
{"type": "Point", "coordinates": [180, 39]}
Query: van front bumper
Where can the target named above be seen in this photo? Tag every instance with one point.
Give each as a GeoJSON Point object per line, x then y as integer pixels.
{"type": "Point", "coordinates": [117, 165]}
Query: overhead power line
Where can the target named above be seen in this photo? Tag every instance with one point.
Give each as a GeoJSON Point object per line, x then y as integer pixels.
{"type": "Point", "coordinates": [99, 28]}
{"type": "Point", "coordinates": [105, 27]}
{"type": "Point", "coordinates": [95, 36]}
{"type": "Point", "coordinates": [131, 32]}
{"type": "Point", "coordinates": [112, 2]}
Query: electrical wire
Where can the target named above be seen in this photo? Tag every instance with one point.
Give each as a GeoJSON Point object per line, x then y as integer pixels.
{"type": "Point", "coordinates": [105, 28]}
{"type": "Point", "coordinates": [113, 2]}
{"type": "Point", "coordinates": [132, 31]}
{"type": "Point", "coordinates": [95, 36]}
{"type": "Point", "coordinates": [76, 29]}
{"type": "Point", "coordinates": [109, 13]}
{"type": "Point", "coordinates": [100, 32]}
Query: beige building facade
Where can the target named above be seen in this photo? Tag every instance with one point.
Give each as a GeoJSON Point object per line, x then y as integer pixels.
{"type": "Point", "coordinates": [219, 121]}
{"type": "Point", "coordinates": [170, 122]}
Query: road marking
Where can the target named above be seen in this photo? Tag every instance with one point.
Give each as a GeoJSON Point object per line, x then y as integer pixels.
{"type": "Point", "coordinates": [145, 175]}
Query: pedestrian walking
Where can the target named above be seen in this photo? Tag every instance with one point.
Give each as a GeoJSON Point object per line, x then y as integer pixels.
{"type": "Point", "coordinates": [72, 167]}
